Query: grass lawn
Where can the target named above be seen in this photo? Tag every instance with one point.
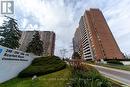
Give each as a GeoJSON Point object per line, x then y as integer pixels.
{"type": "Point", "coordinates": [56, 79]}
{"type": "Point", "coordinates": [122, 67]}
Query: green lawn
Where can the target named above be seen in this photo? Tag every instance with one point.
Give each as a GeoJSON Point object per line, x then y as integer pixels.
{"type": "Point", "coordinates": [56, 79]}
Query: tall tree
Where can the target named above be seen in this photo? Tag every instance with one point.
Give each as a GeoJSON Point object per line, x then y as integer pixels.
{"type": "Point", "coordinates": [10, 34]}
{"type": "Point", "coordinates": [36, 45]}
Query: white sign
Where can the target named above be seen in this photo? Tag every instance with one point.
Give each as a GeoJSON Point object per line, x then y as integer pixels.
{"type": "Point", "coordinates": [7, 7]}
{"type": "Point", "coordinates": [12, 62]}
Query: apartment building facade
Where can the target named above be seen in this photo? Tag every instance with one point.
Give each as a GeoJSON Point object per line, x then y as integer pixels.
{"type": "Point", "coordinates": [48, 38]}
{"type": "Point", "coordinates": [96, 38]}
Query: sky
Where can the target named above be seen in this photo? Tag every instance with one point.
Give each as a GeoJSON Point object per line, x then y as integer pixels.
{"type": "Point", "coordinates": [62, 17]}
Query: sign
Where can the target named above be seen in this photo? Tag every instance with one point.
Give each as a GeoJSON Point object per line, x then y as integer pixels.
{"type": "Point", "coordinates": [12, 62]}
{"type": "Point", "coordinates": [7, 7]}
{"type": "Point", "coordinates": [1, 50]}
{"type": "Point", "coordinates": [14, 55]}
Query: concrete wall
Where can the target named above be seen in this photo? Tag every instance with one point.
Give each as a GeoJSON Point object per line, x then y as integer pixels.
{"type": "Point", "coordinates": [126, 62]}
{"type": "Point", "coordinates": [12, 62]}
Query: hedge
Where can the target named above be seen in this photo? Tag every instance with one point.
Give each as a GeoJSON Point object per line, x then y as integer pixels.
{"type": "Point", "coordinates": [115, 62]}
{"type": "Point", "coordinates": [43, 65]}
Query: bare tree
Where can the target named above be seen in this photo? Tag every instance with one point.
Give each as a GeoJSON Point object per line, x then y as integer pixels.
{"type": "Point", "coordinates": [63, 52]}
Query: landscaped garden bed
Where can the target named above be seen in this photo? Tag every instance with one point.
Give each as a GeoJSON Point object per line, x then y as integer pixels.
{"type": "Point", "coordinates": [87, 76]}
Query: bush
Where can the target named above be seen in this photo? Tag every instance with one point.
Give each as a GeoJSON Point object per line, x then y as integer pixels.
{"type": "Point", "coordinates": [89, 77]}
{"type": "Point", "coordinates": [43, 65]}
{"type": "Point", "coordinates": [115, 62]}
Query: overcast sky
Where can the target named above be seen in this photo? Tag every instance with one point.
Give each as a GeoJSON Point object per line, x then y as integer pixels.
{"type": "Point", "coordinates": [62, 17]}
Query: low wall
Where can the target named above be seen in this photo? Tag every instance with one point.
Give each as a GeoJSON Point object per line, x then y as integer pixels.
{"type": "Point", "coordinates": [12, 62]}
{"type": "Point", "coordinates": [126, 62]}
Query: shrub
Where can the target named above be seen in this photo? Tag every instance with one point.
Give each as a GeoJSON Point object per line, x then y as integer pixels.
{"type": "Point", "coordinates": [115, 62]}
{"type": "Point", "coordinates": [43, 65]}
{"type": "Point", "coordinates": [89, 77]}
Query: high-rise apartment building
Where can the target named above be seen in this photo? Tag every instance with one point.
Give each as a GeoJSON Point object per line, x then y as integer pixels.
{"type": "Point", "coordinates": [93, 38]}
{"type": "Point", "coordinates": [25, 39]}
{"type": "Point", "coordinates": [47, 37]}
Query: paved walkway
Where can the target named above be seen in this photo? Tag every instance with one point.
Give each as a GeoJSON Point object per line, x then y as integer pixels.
{"type": "Point", "coordinates": [121, 76]}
